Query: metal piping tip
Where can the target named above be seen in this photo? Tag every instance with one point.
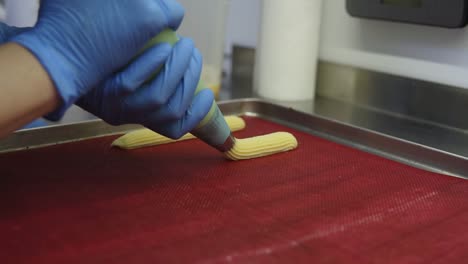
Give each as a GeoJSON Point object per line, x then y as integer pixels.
{"type": "Point", "coordinates": [228, 144]}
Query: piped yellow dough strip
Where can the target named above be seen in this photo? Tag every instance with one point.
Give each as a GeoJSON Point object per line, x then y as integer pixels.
{"type": "Point", "coordinates": [261, 146]}
{"type": "Point", "coordinates": [145, 138]}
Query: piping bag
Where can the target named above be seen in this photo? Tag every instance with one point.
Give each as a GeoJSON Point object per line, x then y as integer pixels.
{"type": "Point", "coordinates": [213, 129]}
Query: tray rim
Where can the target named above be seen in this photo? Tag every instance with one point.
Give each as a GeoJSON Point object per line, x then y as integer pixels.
{"type": "Point", "coordinates": [377, 143]}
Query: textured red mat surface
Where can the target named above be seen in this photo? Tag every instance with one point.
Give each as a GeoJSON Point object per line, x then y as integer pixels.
{"type": "Point", "coordinates": [323, 203]}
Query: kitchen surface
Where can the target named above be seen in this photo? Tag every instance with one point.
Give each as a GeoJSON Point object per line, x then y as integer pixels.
{"type": "Point", "coordinates": [374, 92]}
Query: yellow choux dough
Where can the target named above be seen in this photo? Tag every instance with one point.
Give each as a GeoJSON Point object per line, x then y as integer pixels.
{"type": "Point", "coordinates": [256, 147]}
{"type": "Point", "coordinates": [146, 138]}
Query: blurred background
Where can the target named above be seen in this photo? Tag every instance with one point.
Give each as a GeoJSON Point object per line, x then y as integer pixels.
{"type": "Point", "coordinates": [434, 60]}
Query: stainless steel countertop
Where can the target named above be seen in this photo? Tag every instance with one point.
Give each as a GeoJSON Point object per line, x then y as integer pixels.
{"type": "Point", "coordinates": [391, 105]}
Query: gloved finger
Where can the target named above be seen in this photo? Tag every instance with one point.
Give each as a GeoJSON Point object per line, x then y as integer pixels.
{"type": "Point", "coordinates": [179, 103]}
{"type": "Point", "coordinates": [199, 108]}
{"type": "Point", "coordinates": [141, 70]}
{"type": "Point", "coordinates": [155, 94]}
{"type": "Point", "coordinates": [175, 13]}
{"type": "Point", "coordinates": [6, 32]}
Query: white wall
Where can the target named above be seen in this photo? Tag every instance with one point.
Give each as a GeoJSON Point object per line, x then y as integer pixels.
{"type": "Point", "coordinates": [422, 52]}
{"type": "Point", "coordinates": [243, 23]}
{"type": "Point", "coordinates": [428, 53]}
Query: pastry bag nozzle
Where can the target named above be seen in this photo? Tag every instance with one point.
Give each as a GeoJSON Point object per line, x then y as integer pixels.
{"type": "Point", "coordinates": [213, 129]}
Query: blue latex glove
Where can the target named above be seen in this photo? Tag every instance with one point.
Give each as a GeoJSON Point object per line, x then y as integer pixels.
{"type": "Point", "coordinates": [81, 42]}
{"type": "Point", "coordinates": [7, 32]}
{"type": "Point", "coordinates": [165, 104]}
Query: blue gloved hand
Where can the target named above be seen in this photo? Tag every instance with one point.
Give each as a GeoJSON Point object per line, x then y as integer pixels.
{"type": "Point", "coordinates": [165, 104]}
{"type": "Point", "coordinates": [82, 42]}
{"type": "Point", "coordinates": [7, 32]}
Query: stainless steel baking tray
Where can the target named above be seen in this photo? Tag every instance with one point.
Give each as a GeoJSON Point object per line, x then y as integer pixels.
{"type": "Point", "coordinates": [410, 153]}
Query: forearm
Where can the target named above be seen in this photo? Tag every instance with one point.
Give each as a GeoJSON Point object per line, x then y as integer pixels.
{"type": "Point", "coordinates": [26, 91]}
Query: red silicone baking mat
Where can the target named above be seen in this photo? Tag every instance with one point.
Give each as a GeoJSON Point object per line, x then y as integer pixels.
{"type": "Point", "coordinates": [322, 203]}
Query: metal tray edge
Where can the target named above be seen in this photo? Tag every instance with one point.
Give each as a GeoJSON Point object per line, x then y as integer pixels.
{"type": "Point", "coordinates": [410, 153]}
